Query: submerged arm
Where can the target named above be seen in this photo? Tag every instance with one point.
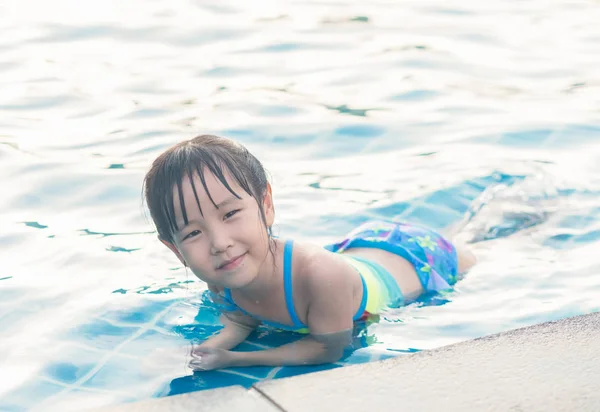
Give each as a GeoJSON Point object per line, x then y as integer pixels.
{"type": "Point", "coordinates": [311, 350]}
{"type": "Point", "coordinates": [329, 319]}
{"type": "Point", "coordinates": [235, 330]}
{"type": "Point", "coordinates": [236, 326]}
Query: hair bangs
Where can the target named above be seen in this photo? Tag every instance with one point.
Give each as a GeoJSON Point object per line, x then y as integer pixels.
{"type": "Point", "coordinates": [191, 159]}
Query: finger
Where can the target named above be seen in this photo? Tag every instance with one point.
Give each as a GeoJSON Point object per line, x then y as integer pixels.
{"type": "Point", "coordinates": [200, 353]}
{"type": "Point", "coordinates": [196, 365]}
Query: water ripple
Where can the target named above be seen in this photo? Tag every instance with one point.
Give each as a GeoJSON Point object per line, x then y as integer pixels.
{"type": "Point", "coordinates": [483, 118]}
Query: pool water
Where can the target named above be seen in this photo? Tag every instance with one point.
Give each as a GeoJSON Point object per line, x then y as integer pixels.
{"type": "Point", "coordinates": [482, 116]}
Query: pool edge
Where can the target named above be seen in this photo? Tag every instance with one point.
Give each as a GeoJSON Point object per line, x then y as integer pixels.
{"type": "Point", "coordinates": [548, 366]}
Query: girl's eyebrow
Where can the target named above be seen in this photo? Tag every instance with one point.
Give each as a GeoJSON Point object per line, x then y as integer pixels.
{"type": "Point", "coordinates": [230, 199]}
{"type": "Point", "coordinates": [184, 225]}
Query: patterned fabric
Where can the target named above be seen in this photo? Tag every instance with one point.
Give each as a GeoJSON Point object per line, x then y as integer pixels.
{"type": "Point", "coordinates": [433, 257]}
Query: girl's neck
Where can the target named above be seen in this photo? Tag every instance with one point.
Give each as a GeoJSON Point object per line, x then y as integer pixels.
{"type": "Point", "coordinates": [269, 279]}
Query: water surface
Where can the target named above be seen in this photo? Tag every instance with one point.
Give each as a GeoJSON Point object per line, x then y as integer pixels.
{"type": "Point", "coordinates": [480, 113]}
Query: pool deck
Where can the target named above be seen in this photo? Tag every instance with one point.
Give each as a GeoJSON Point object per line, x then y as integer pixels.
{"type": "Point", "coordinates": [553, 366]}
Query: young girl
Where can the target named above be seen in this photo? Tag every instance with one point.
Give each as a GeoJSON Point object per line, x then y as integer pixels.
{"type": "Point", "coordinates": [213, 208]}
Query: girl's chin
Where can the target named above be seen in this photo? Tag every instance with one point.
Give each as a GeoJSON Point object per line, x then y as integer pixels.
{"type": "Point", "coordinates": [240, 282]}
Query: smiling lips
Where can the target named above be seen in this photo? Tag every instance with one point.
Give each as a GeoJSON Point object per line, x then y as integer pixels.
{"type": "Point", "coordinates": [232, 263]}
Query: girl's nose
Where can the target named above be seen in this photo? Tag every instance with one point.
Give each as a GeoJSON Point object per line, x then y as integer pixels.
{"type": "Point", "coordinates": [221, 241]}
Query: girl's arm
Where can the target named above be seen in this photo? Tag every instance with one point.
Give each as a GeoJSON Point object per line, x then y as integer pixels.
{"type": "Point", "coordinates": [329, 319]}
{"type": "Point", "coordinates": [236, 329]}
{"type": "Point", "coordinates": [311, 350]}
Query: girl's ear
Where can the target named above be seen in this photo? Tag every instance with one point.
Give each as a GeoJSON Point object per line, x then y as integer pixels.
{"type": "Point", "coordinates": [268, 206]}
{"type": "Point", "coordinates": [173, 249]}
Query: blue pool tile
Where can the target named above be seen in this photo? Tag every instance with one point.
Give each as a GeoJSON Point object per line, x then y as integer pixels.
{"type": "Point", "coordinates": [66, 372]}
{"type": "Point", "coordinates": [150, 340]}
{"type": "Point", "coordinates": [140, 311]}
{"type": "Point", "coordinates": [116, 373]}
{"type": "Point", "coordinates": [384, 356]}
{"type": "Point", "coordinates": [256, 372]}
{"type": "Point", "coordinates": [205, 380]}
{"type": "Point", "coordinates": [28, 395]}
{"type": "Point", "coordinates": [84, 400]}
{"type": "Point", "coordinates": [71, 363]}
{"type": "Point", "coordinates": [362, 355]}
{"type": "Point", "coordinates": [100, 334]}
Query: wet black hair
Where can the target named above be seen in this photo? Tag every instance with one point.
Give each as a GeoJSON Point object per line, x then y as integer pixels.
{"type": "Point", "coordinates": [193, 157]}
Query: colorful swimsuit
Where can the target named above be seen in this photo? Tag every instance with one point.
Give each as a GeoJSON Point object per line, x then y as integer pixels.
{"type": "Point", "coordinates": [433, 257]}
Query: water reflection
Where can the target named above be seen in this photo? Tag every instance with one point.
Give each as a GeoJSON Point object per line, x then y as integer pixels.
{"type": "Point", "coordinates": [355, 116]}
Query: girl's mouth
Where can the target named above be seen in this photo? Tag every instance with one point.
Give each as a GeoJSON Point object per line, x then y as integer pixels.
{"type": "Point", "coordinates": [232, 263]}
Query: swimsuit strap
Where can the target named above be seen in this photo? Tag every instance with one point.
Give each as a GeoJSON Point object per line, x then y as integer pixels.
{"type": "Point", "coordinates": [287, 288]}
{"type": "Point", "coordinates": [229, 298]}
{"type": "Point", "coordinates": [287, 283]}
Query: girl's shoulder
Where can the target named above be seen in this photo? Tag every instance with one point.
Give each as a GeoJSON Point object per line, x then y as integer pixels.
{"type": "Point", "coordinates": [312, 265]}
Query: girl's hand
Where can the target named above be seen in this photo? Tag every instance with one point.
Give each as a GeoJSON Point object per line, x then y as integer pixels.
{"type": "Point", "coordinates": [206, 359]}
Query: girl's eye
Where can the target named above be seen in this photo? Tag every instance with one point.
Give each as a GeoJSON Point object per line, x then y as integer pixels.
{"type": "Point", "coordinates": [192, 234]}
{"type": "Point", "coordinates": [230, 214]}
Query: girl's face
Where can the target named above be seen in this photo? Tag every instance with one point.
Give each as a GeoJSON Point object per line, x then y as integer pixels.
{"type": "Point", "coordinates": [225, 245]}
